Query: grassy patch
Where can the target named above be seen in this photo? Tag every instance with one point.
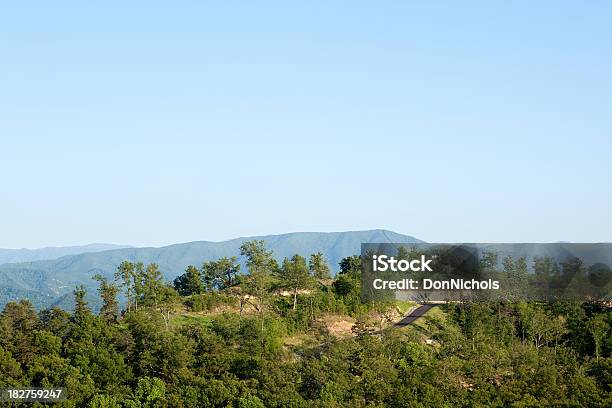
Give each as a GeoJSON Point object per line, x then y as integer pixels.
{"type": "Point", "coordinates": [435, 313]}
{"type": "Point", "coordinates": [183, 320]}
{"type": "Point", "coordinates": [404, 305]}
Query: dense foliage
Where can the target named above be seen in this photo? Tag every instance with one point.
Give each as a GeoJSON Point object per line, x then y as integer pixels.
{"type": "Point", "coordinates": [221, 339]}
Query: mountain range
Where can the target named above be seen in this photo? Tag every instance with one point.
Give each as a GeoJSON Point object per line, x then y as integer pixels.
{"type": "Point", "coordinates": [50, 282]}
{"type": "Point", "coordinates": [41, 254]}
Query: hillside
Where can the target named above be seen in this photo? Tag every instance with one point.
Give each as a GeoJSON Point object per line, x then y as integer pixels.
{"type": "Point", "coordinates": [45, 282]}
{"type": "Point", "coordinates": [41, 254]}
{"type": "Point", "coordinates": [332, 350]}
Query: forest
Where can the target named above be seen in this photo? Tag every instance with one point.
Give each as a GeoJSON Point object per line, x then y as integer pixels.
{"type": "Point", "coordinates": [288, 334]}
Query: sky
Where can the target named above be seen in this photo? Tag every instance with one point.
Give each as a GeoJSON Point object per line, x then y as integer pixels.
{"type": "Point", "coordinates": [151, 123]}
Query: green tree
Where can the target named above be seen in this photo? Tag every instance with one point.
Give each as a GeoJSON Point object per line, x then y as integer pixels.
{"type": "Point", "coordinates": [351, 265]}
{"type": "Point", "coordinates": [10, 369]}
{"type": "Point", "coordinates": [318, 267]}
{"type": "Point", "coordinates": [256, 285]}
{"type": "Point", "coordinates": [295, 276]}
{"type": "Point", "coordinates": [261, 266]}
{"type": "Point", "coordinates": [18, 321]}
{"type": "Point", "coordinates": [221, 273]}
{"type": "Point", "coordinates": [81, 332]}
{"type": "Point", "coordinates": [543, 267]}
{"type": "Point", "coordinates": [348, 283]}
{"type": "Point", "coordinates": [258, 258]}
{"type": "Point", "coordinates": [125, 274]}
{"type": "Point", "coordinates": [46, 343]}
{"type": "Point", "coordinates": [104, 401]}
{"type": "Point", "coordinates": [81, 310]}
{"type": "Point", "coordinates": [508, 264]}
{"type": "Point", "coordinates": [108, 292]}
{"type": "Point", "coordinates": [488, 261]}
{"type": "Point", "coordinates": [512, 275]}
{"type": "Point", "coordinates": [189, 283]}
{"type": "Point", "coordinates": [55, 320]}
{"type": "Point", "coordinates": [150, 393]}
{"type": "Point", "coordinates": [138, 278]}
{"type": "Point", "coordinates": [152, 285]}
{"type": "Point", "coordinates": [598, 328]}
{"type": "Point", "coordinates": [249, 401]}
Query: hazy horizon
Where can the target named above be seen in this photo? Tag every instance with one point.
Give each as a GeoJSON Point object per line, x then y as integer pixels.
{"type": "Point", "coordinates": [198, 240]}
{"type": "Point", "coordinates": [130, 245]}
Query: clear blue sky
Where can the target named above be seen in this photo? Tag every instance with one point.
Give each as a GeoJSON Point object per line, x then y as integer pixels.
{"type": "Point", "coordinates": [162, 122]}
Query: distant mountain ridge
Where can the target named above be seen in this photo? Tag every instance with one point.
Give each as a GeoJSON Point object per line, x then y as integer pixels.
{"type": "Point", "coordinates": [41, 254]}
{"type": "Point", "coordinates": [47, 282]}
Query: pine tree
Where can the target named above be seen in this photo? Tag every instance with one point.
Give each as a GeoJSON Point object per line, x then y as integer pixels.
{"type": "Point", "coordinates": [318, 267]}
{"type": "Point", "coordinates": [81, 310]}
{"type": "Point", "coordinates": [125, 275]}
{"type": "Point", "coordinates": [189, 283]}
{"type": "Point", "coordinates": [108, 293]}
